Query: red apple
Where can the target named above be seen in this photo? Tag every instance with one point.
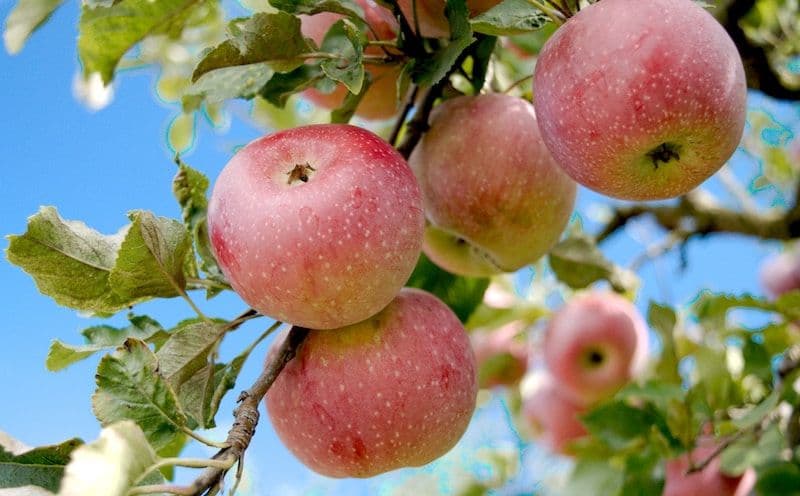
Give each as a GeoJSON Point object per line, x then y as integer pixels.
{"type": "Point", "coordinates": [641, 100]}
{"type": "Point", "coordinates": [501, 354]}
{"type": "Point", "coordinates": [396, 390]}
{"type": "Point", "coordinates": [595, 344]}
{"type": "Point", "coordinates": [319, 226]}
{"type": "Point", "coordinates": [781, 274]}
{"type": "Point", "coordinates": [380, 101]}
{"type": "Point", "coordinates": [554, 416]}
{"type": "Point", "coordinates": [431, 17]}
{"type": "Point", "coordinates": [495, 198]}
{"type": "Point", "coordinates": [707, 482]}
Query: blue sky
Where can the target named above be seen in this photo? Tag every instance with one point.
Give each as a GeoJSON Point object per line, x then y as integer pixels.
{"type": "Point", "coordinates": [97, 166]}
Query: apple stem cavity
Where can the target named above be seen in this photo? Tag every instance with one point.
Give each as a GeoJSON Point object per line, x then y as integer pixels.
{"type": "Point", "coordinates": [665, 152]}
{"type": "Point", "coordinates": [300, 172]}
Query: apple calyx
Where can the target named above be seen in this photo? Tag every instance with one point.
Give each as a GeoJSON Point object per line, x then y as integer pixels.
{"type": "Point", "coordinates": [594, 358]}
{"type": "Point", "coordinates": [300, 172]}
{"type": "Point", "coordinates": [665, 152]}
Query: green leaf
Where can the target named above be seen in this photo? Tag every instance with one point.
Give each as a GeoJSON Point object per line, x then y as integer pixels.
{"type": "Point", "coordinates": [757, 414]}
{"type": "Point", "coordinates": [107, 32]}
{"type": "Point", "coordinates": [310, 7]}
{"type": "Point", "coordinates": [346, 40]}
{"type": "Point", "coordinates": [429, 71]}
{"type": "Point", "coordinates": [129, 387]}
{"type": "Point", "coordinates": [481, 57]}
{"type": "Point", "coordinates": [663, 320]}
{"type": "Point", "coordinates": [240, 81]}
{"type": "Point", "coordinates": [152, 258]}
{"type": "Point", "coordinates": [753, 451]}
{"type": "Point", "coordinates": [578, 262]}
{"type": "Point", "coordinates": [508, 18]}
{"type": "Point", "coordinates": [618, 424]}
{"type": "Point", "coordinates": [462, 294]}
{"type": "Point", "coordinates": [345, 112]}
{"type": "Point", "coordinates": [190, 188]}
{"type": "Point", "coordinates": [779, 479]}
{"type": "Point", "coordinates": [187, 350]}
{"type": "Point", "coordinates": [110, 465]}
{"type": "Point", "coordinates": [593, 477]}
{"type": "Point", "coordinates": [488, 317]}
{"type": "Point", "coordinates": [282, 85]}
{"type": "Point", "coordinates": [69, 262]}
{"type": "Point", "coordinates": [27, 17]}
{"type": "Point", "coordinates": [62, 355]}
{"type": "Point", "coordinates": [42, 467]}
{"type": "Point", "coordinates": [272, 38]}
{"type": "Point", "coordinates": [181, 132]}
{"type": "Point", "coordinates": [195, 395]}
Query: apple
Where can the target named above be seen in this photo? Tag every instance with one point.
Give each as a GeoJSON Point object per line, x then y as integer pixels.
{"type": "Point", "coordinates": [595, 344]}
{"type": "Point", "coordinates": [501, 355]}
{"type": "Point", "coordinates": [781, 274]}
{"type": "Point", "coordinates": [319, 226]}
{"type": "Point", "coordinates": [431, 17]}
{"type": "Point", "coordinates": [380, 100]}
{"type": "Point", "coordinates": [553, 416]}
{"type": "Point", "coordinates": [706, 482]}
{"type": "Point", "coordinates": [396, 390]}
{"type": "Point", "coordinates": [640, 100]}
{"type": "Point", "coordinates": [495, 198]}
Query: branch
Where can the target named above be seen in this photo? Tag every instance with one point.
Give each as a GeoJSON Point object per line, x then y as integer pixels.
{"type": "Point", "coordinates": [759, 73]}
{"type": "Point", "coordinates": [699, 216]}
{"type": "Point", "coordinates": [245, 419]}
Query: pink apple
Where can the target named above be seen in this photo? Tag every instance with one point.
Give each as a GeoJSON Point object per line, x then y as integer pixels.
{"type": "Point", "coordinates": [501, 354]}
{"type": "Point", "coordinates": [595, 344]}
{"type": "Point", "coordinates": [380, 101]}
{"type": "Point", "coordinates": [707, 482]}
{"type": "Point", "coordinates": [554, 416]}
{"type": "Point", "coordinates": [319, 226]}
{"type": "Point", "coordinates": [781, 273]}
{"type": "Point", "coordinates": [495, 198]}
{"type": "Point", "coordinates": [641, 100]}
{"type": "Point", "coordinates": [431, 17]}
{"type": "Point", "coordinates": [396, 390]}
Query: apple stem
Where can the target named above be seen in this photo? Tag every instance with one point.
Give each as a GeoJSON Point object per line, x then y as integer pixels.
{"type": "Point", "coordinates": [300, 172]}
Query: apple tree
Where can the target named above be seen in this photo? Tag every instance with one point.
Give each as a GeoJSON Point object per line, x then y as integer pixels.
{"type": "Point", "coordinates": [436, 231]}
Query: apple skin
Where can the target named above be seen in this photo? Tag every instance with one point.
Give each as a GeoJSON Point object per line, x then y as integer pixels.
{"type": "Point", "coordinates": [430, 14]}
{"type": "Point", "coordinates": [707, 482]}
{"type": "Point", "coordinates": [595, 344]}
{"type": "Point", "coordinates": [380, 101]}
{"type": "Point", "coordinates": [780, 274]}
{"type": "Point", "coordinates": [554, 416]}
{"type": "Point", "coordinates": [396, 390]}
{"type": "Point", "coordinates": [501, 356]}
{"type": "Point", "coordinates": [324, 253]}
{"type": "Point", "coordinates": [495, 198]}
{"type": "Point", "coordinates": [621, 78]}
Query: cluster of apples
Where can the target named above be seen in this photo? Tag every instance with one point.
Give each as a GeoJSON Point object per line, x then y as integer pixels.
{"type": "Point", "coordinates": [593, 346]}
{"type": "Point", "coordinates": [320, 226]}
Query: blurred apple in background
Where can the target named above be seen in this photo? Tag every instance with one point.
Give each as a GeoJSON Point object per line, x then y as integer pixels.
{"type": "Point", "coordinates": [595, 344]}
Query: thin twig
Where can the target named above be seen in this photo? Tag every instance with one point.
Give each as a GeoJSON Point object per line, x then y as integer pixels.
{"type": "Point", "coordinates": [246, 417]}
{"type": "Point", "coordinates": [694, 213]}
{"type": "Point", "coordinates": [241, 319]}
{"type": "Point", "coordinates": [398, 125]}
